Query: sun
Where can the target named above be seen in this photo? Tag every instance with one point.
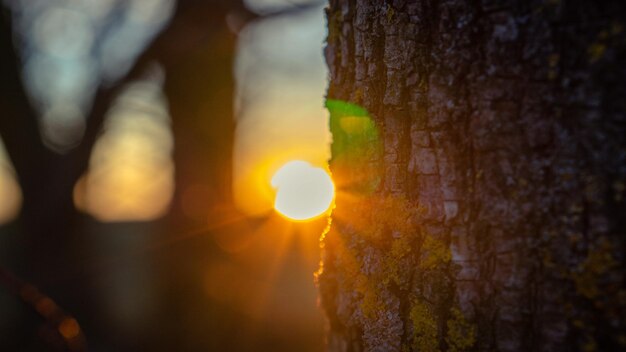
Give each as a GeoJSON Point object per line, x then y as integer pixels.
{"type": "Point", "coordinates": [303, 192]}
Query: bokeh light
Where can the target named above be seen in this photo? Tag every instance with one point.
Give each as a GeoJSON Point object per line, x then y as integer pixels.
{"type": "Point", "coordinates": [70, 47]}
{"type": "Point", "coordinates": [131, 174]}
{"type": "Point", "coordinates": [10, 193]}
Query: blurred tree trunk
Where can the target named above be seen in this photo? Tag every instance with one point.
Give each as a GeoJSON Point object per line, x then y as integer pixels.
{"type": "Point", "coordinates": [59, 256]}
{"type": "Point", "coordinates": [200, 90]}
{"type": "Point", "coordinates": [497, 216]}
{"type": "Point", "coordinates": [48, 216]}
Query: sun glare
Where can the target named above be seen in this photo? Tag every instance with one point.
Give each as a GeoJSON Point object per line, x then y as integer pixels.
{"type": "Point", "coordinates": [303, 192]}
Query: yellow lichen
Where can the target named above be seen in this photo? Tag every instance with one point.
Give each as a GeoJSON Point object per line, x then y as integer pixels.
{"type": "Point", "coordinates": [436, 254]}
{"type": "Point", "coordinates": [616, 28]}
{"type": "Point", "coordinates": [598, 262]}
{"type": "Point", "coordinates": [596, 51]}
{"type": "Point", "coordinates": [399, 249]}
{"type": "Point", "coordinates": [553, 61]}
{"type": "Point", "coordinates": [424, 327]}
{"type": "Point", "coordinates": [461, 335]}
{"type": "Point", "coordinates": [390, 14]}
{"type": "Point", "coordinates": [590, 344]}
{"type": "Point", "coordinates": [371, 304]}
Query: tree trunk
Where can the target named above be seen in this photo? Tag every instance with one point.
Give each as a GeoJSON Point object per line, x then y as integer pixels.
{"type": "Point", "coordinates": [484, 207]}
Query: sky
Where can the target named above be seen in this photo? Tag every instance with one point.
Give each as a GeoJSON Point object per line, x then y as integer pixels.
{"type": "Point", "coordinates": [281, 81]}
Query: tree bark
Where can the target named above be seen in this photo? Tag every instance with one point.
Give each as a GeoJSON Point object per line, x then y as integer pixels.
{"type": "Point", "coordinates": [486, 212]}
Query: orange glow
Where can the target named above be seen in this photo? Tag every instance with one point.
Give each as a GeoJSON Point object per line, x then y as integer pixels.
{"type": "Point", "coordinates": [69, 328]}
{"type": "Point", "coordinates": [46, 307]}
{"type": "Point", "coordinates": [10, 192]}
{"type": "Point", "coordinates": [303, 192]}
{"type": "Point", "coordinates": [259, 155]}
{"type": "Point", "coordinates": [10, 195]}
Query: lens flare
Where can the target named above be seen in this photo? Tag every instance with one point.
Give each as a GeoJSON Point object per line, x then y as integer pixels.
{"type": "Point", "coordinates": [303, 192]}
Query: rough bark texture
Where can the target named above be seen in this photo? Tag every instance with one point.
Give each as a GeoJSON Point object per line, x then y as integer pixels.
{"type": "Point", "coordinates": [492, 215]}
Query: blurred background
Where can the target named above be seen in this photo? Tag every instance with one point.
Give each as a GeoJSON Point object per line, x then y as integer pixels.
{"type": "Point", "coordinates": [139, 139]}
